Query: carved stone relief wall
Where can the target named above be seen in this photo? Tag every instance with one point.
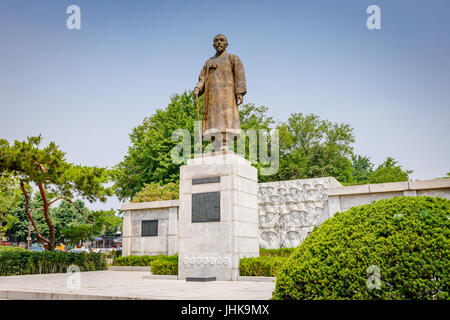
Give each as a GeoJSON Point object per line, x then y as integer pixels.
{"type": "Point", "coordinates": [289, 210]}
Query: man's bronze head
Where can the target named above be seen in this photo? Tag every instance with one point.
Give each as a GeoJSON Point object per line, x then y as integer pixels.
{"type": "Point", "coordinates": [220, 43]}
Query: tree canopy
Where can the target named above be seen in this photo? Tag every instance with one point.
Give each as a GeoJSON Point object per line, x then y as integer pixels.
{"type": "Point", "coordinates": [47, 170]}
{"type": "Point", "coordinates": [149, 156]}
{"type": "Point", "coordinates": [309, 147]}
{"type": "Point", "coordinates": [10, 197]}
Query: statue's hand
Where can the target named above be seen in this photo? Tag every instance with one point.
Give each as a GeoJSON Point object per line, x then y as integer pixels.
{"type": "Point", "coordinates": [239, 99]}
{"type": "Point", "coordinates": [196, 92]}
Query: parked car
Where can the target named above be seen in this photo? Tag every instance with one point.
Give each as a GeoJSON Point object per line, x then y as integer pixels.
{"type": "Point", "coordinates": [36, 249]}
{"type": "Point", "coordinates": [78, 250]}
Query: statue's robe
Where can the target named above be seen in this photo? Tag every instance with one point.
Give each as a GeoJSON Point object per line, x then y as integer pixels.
{"type": "Point", "coordinates": [221, 79]}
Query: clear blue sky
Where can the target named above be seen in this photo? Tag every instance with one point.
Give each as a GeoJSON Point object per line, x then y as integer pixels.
{"type": "Point", "coordinates": [86, 89]}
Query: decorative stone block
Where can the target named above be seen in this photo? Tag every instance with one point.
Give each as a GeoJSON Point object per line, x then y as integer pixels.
{"type": "Point", "coordinates": [210, 248]}
{"type": "Point", "coordinates": [289, 210]}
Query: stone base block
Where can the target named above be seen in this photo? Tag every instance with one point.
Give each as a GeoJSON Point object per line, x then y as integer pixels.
{"type": "Point", "coordinates": [212, 249]}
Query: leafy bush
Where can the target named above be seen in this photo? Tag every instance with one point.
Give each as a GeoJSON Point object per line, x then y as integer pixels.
{"type": "Point", "coordinates": [282, 252]}
{"type": "Point", "coordinates": [159, 264]}
{"type": "Point", "coordinates": [116, 253]}
{"type": "Point", "coordinates": [10, 248]}
{"type": "Point", "coordinates": [156, 192]}
{"type": "Point", "coordinates": [407, 238]}
{"type": "Point", "coordinates": [267, 266]}
{"type": "Point", "coordinates": [112, 255]}
{"type": "Point", "coordinates": [19, 262]}
{"type": "Point", "coordinates": [139, 261]}
{"type": "Point", "coordinates": [166, 265]}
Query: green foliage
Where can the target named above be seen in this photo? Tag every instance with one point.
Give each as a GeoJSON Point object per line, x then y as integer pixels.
{"type": "Point", "coordinates": [407, 238]}
{"type": "Point", "coordinates": [389, 171]}
{"type": "Point", "coordinates": [115, 254]}
{"type": "Point", "coordinates": [159, 264]}
{"type": "Point", "coordinates": [10, 248]}
{"type": "Point", "coordinates": [265, 266]}
{"type": "Point", "coordinates": [282, 252]}
{"type": "Point", "coordinates": [311, 147]}
{"type": "Point", "coordinates": [10, 196]}
{"type": "Point", "coordinates": [47, 169]}
{"type": "Point", "coordinates": [149, 156]}
{"type": "Point", "coordinates": [136, 261]}
{"type": "Point", "coordinates": [165, 265]}
{"type": "Point", "coordinates": [362, 167]}
{"type": "Point", "coordinates": [19, 230]}
{"type": "Point", "coordinates": [156, 192]}
{"type": "Point", "coordinates": [254, 117]}
{"type": "Point", "coordinates": [67, 216]}
{"type": "Point", "coordinates": [21, 262]}
{"type": "Point", "coordinates": [98, 223]}
{"type": "Point", "coordinates": [69, 223]}
{"type": "Point", "coordinates": [26, 161]}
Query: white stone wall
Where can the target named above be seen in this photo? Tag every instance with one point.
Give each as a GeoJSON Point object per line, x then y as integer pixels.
{"type": "Point", "coordinates": [343, 198]}
{"type": "Point", "coordinates": [288, 210]}
{"type": "Point", "coordinates": [166, 212]}
{"type": "Point", "coordinates": [213, 249]}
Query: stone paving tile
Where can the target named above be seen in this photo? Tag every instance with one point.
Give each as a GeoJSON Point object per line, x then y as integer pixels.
{"type": "Point", "coordinates": [132, 284]}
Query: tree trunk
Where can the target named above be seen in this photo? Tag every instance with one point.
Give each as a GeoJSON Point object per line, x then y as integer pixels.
{"type": "Point", "coordinates": [29, 215]}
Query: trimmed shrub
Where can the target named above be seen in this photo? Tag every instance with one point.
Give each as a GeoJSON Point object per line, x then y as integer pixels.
{"type": "Point", "coordinates": [160, 264]}
{"type": "Point", "coordinates": [11, 248]}
{"type": "Point", "coordinates": [407, 238]}
{"type": "Point", "coordinates": [20, 262]}
{"type": "Point", "coordinates": [282, 252]}
{"type": "Point", "coordinates": [155, 192]}
{"type": "Point", "coordinates": [167, 265]}
{"type": "Point", "coordinates": [267, 266]}
{"type": "Point", "coordinates": [116, 254]}
{"type": "Point", "coordinates": [139, 261]}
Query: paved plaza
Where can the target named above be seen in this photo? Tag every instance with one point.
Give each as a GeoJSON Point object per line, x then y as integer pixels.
{"type": "Point", "coordinates": [128, 285]}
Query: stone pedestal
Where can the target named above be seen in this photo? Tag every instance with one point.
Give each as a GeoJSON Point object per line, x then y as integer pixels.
{"type": "Point", "coordinates": [218, 216]}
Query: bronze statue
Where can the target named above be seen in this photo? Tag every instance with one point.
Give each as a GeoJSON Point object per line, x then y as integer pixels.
{"type": "Point", "coordinates": [222, 80]}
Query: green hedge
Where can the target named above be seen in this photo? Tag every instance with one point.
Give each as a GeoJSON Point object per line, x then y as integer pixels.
{"type": "Point", "coordinates": [407, 238]}
{"type": "Point", "coordinates": [10, 248]}
{"type": "Point", "coordinates": [282, 252]}
{"type": "Point", "coordinates": [166, 265]}
{"type": "Point", "coordinates": [136, 261]}
{"type": "Point", "coordinates": [160, 264]}
{"type": "Point", "coordinates": [266, 266]}
{"type": "Point", "coordinates": [19, 262]}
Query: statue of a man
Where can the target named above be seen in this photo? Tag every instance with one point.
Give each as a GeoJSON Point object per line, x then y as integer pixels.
{"type": "Point", "coordinates": [222, 80]}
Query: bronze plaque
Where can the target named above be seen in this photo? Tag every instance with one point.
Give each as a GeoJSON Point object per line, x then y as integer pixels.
{"type": "Point", "coordinates": [206, 207]}
{"type": "Point", "coordinates": [206, 180]}
{"type": "Point", "coordinates": [149, 228]}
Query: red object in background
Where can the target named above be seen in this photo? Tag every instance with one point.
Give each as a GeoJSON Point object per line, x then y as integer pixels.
{"type": "Point", "coordinates": [5, 244]}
